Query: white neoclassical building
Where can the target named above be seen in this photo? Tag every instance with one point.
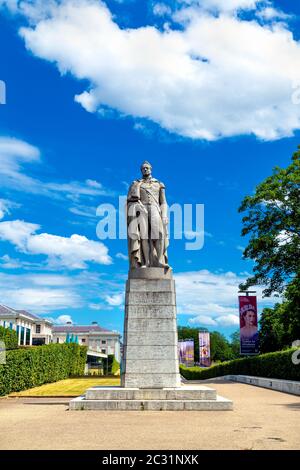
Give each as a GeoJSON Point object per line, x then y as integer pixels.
{"type": "Point", "coordinates": [93, 336]}
{"type": "Point", "coordinates": [31, 329]}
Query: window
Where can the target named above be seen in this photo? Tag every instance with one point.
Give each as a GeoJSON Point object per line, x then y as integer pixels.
{"type": "Point", "coordinates": [103, 341]}
{"type": "Point", "coordinates": [27, 336]}
{"type": "Point", "coordinates": [38, 341]}
{"type": "Point", "coordinates": [83, 340]}
{"type": "Point", "coordinates": [103, 351]}
{"type": "Point", "coordinates": [22, 335]}
{"type": "Point", "coordinates": [38, 329]}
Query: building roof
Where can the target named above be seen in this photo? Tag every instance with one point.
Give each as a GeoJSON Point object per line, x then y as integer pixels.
{"type": "Point", "coordinates": [4, 311]}
{"type": "Point", "coordinates": [81, 329]}
{"type": "Point", "coordinates": [31, 315]}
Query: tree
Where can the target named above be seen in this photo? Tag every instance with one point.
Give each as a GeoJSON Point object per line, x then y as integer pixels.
{"type": "Point", "coordinates": [220, 347]}
{"type": "Point", "coordinates": [280, 326]}
{"type": "Point", "coordinates": [273, 223]}
{"type": "Point", "coordinates": [291, 312]}
{"type": "Point", "coordinates": [271, 329]}
{"type": "Point", "coordinates": [235, 343]}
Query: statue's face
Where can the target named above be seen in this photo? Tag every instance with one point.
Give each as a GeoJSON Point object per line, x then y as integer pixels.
{"type": "Point", "coordinates": [146, 170]}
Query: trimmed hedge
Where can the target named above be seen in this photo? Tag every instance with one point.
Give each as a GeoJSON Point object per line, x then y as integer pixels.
{"type": "Point", "coordinates": [31, 367]}
{"type": "Point", "coordinates": [277, 365]}
{"type": "Point", "coordinates": [9, 337]}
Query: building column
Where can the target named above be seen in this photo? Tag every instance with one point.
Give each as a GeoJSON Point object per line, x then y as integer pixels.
{"type": "Point", "coordinates": [19, 334]}
{"type": "Point", "coordinates": [24, 339]}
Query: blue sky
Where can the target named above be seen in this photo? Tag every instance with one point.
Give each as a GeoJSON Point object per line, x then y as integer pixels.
{"type": "Point", "coordinates": [201, 90]}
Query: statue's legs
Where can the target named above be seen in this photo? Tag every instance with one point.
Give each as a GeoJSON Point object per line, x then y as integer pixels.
{"type": "Point", "coordinates": [157, 237]}
{"type": "Point", "coordinates": [144, 230]}
{"type": "Point", "coordinates": [146, 252]}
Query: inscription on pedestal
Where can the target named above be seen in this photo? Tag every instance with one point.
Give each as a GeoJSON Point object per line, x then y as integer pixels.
{"type": "Point", "coordinates": [150, 332]}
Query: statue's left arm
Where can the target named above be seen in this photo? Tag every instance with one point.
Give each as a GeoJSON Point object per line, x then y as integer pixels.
{"type": "Point", "coordinates": [163, 204]}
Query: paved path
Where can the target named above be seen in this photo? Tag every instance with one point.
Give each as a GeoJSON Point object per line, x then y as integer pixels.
{"type": "Point", "coordinates": [262, 419]}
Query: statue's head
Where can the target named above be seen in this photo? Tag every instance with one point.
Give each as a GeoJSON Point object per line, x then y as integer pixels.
{"type": "Point", "coordinates": [146, 169]}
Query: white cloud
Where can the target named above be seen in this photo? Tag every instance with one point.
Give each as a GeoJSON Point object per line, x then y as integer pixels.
{"type": "Point", "coordinates": [270, 13]}
{"type": "Point", "coordinates": [228, 320]}
{"type": "Point", "coordinates": [5, 207]}
{"type": "Point", "coordinates": [115, 300]}
{"type": "Point", "coordinates": [71, 252]}
{"type": "Point", "coordinates": [202, 320]}
{"type": "Point", "coordinates": [15, 153]}
{"type": "Point", "coordinates": [17, 232]}
{"type": "Point", "coordinates": [225, 320]}
{"type": "Point", "coordinates": [44, 292]}
{"type": "Point", "coordinates": [161, 9]}
{"type": "Point", "coordinates": [122, 256]}
{"type": "Point", "coordinates": [84, 211]}
{"type": "Point", "coordinates": [212, 298]}
{"type": "Point", "coordinates": [62, 320]}
{"type": "Point", "coordinates": [98, 307]}
{"type": "Point", "coordinates": [240, 248]}
{"type": "Point", "coordinates": [6, 262]}
{"type": "Point", "coordinates": [223, 5]}
{"type": "Point", "coordinates": [218, 76]}
{"type": "Point", "coordinates": [21, 292]}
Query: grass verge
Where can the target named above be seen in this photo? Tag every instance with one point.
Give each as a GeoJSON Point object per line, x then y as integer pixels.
{"type": "Point", "coordinates": [68, 387]}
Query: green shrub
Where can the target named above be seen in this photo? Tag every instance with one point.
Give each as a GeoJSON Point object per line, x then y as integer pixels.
{"type": "Point", "coordinates": [9, 337]}
{"type": "Point", "coordinates": [113, 365]}
{"type": "Point", "coordinates": [277, 365]}
{"type": "Point", "coordinates": [31, 367]}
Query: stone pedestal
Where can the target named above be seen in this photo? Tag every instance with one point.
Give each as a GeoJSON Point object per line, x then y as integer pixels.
{"type": "Point", "coordinates": [150, 358]}
{"type": "Point", "coordinates": [150, 377]}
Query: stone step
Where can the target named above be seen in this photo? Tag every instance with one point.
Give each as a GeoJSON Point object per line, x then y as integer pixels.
{"type": "Point", "coordinates": [182, 393]}
{"type": "Point", "coordinates": [220, 404]}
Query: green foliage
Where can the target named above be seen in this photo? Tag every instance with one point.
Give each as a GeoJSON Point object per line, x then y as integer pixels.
{"type": "Point", "coordinates": [280, 326]}
{"type": "Point", "coordinates": [9, 337]}
{"type": "Point", "coordinates": [276, 365]}
{"type": "Point", "coordinates": [235, 344]}
{"type": "Point", "coordinates": [220, 347]}
{"type": "Point", "coordinates": [271, 329]}
{"type": "Point", "coordinates": [273, 223]}
{"type": "Point", "coordinates": [31, 367]}
{"type": "Point", "coordinates": [113, 365]}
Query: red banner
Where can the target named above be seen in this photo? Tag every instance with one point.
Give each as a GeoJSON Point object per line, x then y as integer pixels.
{"type": "Point", "coordinates": [249, 340]}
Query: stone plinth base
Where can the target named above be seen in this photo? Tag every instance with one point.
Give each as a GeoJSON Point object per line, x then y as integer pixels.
{"type": "Point", "coordinates": [185, 398]}
{"type": "Point", "coordinates": [150, 358]}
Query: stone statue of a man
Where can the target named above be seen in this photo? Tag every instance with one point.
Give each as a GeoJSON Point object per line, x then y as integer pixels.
{"type": "Point", "coordinates": [147, 221]}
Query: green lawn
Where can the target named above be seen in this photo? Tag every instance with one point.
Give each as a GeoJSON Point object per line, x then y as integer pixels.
{"type": "Point", "coordinates": [68, 387]}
